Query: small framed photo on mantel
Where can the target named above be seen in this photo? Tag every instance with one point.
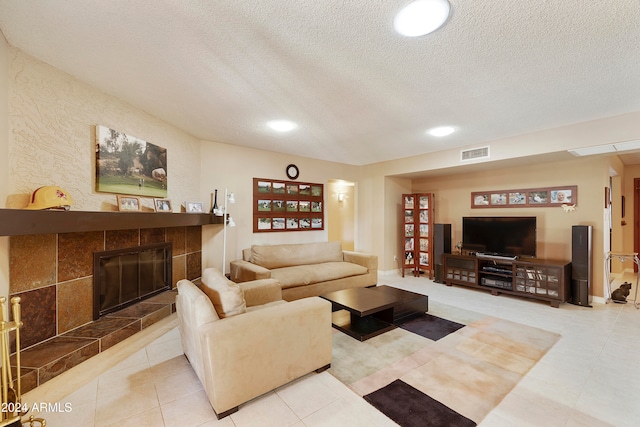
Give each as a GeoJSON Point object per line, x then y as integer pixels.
{"type": "Point", "coordinates": [128, 203]}
{"type": "Point", "coordinates": [163, 205]}
{"type": "Point", "coordinates": [193, 207]}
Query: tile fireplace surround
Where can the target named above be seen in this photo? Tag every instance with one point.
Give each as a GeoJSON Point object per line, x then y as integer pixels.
{"type": "Point", "coordinates": [53, 276]}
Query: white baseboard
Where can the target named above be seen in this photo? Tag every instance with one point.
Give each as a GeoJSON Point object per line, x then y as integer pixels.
{"type": "Point", "coordinates": [389, 273]}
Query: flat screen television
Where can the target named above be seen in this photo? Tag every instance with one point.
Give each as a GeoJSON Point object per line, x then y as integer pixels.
{"type": "Point", "coordinates": [502, 236]}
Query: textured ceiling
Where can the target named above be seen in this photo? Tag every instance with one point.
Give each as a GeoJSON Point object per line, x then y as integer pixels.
{"type": "Point", "coordinates": [359, 92]}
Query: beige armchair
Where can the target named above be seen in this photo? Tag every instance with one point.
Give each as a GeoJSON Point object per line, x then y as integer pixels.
{"type": "Point", "coordinates": [243, 356]}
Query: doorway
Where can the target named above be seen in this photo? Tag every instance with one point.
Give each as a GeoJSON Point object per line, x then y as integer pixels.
{"type": "Point", "coordinates": [636, 217]}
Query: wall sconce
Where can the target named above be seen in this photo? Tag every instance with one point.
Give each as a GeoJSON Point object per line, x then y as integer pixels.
{"type": "Point", "coordinates": [341, 197]}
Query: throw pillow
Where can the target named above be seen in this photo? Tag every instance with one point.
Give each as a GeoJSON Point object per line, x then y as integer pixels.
{"type": "Point", "coordinates": [227, 297]}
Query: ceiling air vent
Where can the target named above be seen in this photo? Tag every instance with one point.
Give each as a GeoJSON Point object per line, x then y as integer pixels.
{"type": "Point", "coordinates": [475, 153]}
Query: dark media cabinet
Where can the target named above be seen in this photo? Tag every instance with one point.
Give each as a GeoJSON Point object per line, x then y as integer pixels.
{"type": "Point", "coordinates": [535, 278]}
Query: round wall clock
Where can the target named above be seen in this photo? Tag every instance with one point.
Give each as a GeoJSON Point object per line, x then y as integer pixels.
{"type": "Point", "coordinates": [292, 171]}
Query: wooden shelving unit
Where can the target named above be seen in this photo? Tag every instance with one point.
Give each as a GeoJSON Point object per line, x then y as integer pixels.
{"type": "Point", "coordinates": [417, 234]}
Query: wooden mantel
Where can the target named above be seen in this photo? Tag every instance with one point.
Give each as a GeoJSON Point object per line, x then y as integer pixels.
{"type": "Point", "coordinates": [16, 222]}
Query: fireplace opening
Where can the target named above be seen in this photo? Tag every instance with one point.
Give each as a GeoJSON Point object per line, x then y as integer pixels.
{"type": "Point", "coordinates": [123, 277]}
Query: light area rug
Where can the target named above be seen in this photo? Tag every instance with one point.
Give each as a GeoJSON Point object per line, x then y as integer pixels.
{"type": "Point", "coordinates": [470, 370]}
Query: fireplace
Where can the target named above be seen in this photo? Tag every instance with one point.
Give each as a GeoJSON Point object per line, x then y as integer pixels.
{"type": "Point", "coordinates": [52, 270]}
{"type": "Point", "coordinates": [125, 276]}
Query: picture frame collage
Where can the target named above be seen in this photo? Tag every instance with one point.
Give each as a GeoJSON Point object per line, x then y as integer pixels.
{"type": "Point", "coordinates": [287, 206]}
{"type": "Point", "coordinates": [525, 198]}
{"type": "Point", "coordinates": [126, 203]}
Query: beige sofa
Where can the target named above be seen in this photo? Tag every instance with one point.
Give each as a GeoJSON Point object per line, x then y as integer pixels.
{"type": "Point", "coordinates": [309, 269]}
{"type": "Point", "coordinates": [261, 344]}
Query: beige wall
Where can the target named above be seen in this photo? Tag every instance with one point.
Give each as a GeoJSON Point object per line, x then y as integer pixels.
{"type": "Point", "coordinates": [4, 156]}
{"type": "Point", "coordinates": [341, 214]}
{"type": "Point", "coordinates": [370, 214]}
{"type": "Point", "coordinates": [393, 189]}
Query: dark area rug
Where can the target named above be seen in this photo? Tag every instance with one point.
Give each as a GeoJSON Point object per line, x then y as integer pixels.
{"type": "Point", "coordinates": [409, 407]}
{"type": "Point", "coordinates": [431, 327]}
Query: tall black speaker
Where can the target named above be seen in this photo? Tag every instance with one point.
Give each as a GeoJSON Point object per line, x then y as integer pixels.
{"type": "Point", "coordinates": [581, 264]}
{"type": "Point", "coordinates": [441, 245]}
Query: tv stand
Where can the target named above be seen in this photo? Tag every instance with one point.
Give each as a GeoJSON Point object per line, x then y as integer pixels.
{"type": "Point", "coordinates": [540, 279]}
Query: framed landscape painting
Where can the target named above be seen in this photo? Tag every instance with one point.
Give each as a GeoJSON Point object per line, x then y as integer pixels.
{"type": "Point", "coordinates": [129, 165]}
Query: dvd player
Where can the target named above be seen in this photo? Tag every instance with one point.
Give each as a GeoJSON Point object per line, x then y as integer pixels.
{"type": "Point", "coordinates": [498, 270]}
{"type": "Point", "coordinates": [495, 283]}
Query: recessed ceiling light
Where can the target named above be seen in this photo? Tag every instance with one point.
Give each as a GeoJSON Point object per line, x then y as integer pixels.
{"type": "Point", "coordinates": [282, 125]}
{"type": "Point", "coordinates": [421, 17]}
{"type": "Point", "coordinates": [441, 131]}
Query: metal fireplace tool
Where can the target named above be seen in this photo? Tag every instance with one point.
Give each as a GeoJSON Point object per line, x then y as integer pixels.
{"type": "Point", "coordinates": [11, 406]}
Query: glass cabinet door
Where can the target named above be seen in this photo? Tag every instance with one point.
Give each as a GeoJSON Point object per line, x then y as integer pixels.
{"type": "Point", "coordinates": [424, 223]}
{"type": "Point", "coordinates": [538, 280]}
{"type": "Point", "coordinates": [409, 203]}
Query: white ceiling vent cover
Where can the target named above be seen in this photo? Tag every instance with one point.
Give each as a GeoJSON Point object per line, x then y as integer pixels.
{"type": "Point", "coordinates": [475, 153]}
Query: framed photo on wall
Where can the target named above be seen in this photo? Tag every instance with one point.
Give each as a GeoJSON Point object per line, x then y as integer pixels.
{"type": "Point", "coordinates": [480, 199]}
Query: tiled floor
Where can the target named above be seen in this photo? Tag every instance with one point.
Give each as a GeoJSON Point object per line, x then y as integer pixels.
{"type": "Point", "coordinates": [591, 377]}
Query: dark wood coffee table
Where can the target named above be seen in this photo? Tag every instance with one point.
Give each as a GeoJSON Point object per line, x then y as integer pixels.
{"type": "Point", "coordinates": [364, 313]}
